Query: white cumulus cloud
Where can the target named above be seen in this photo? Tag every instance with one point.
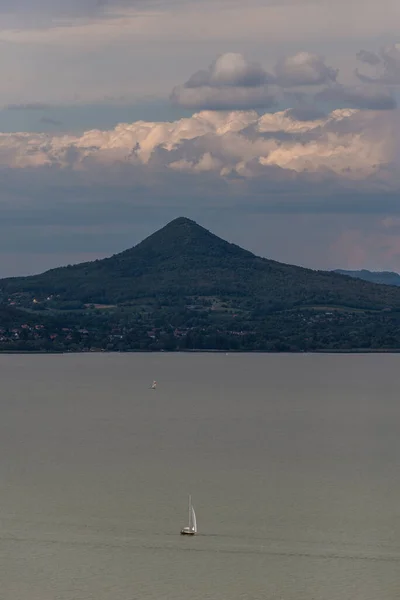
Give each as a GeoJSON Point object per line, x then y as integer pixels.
{"type": "Point", "coordinates": [349, 143]}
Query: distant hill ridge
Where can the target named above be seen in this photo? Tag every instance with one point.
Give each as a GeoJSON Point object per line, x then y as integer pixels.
{"type": "Point", "coordinates": [185, 260]}
{"type": "Point", "coordinates": [384, 277]}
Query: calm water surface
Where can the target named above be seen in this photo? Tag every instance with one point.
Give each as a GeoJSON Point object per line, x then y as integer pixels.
{"type": "Point", "coordinates": [293, 462]}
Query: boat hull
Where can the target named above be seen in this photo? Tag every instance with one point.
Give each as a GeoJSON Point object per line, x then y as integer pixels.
{"type": "Point", "coordinates": [187, 532]}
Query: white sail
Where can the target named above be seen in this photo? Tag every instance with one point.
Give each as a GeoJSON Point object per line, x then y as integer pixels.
{"type": "Point", "coordinates": [154, 385]}
{"type": "Point", "coordinates": [191, 528]}
{"type": "Point", "coordinates": [194, 521]}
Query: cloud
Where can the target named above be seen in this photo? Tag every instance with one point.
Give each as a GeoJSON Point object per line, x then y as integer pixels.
{"type": "Point", "coordinates": [304, 68]}
{"type": "Point", "coordinates": [223, 98]}
{"type": "Point", "coordinates": [233, 70]}
{"type": "Point", "coordinates": [230, 69]}
{"type": "Point", "coordinates": [50, 121]}
{"type": "Point", "coordinates": [230, 82]}
{"type": "Point", "coordinates": [371, 246]}
{"type": "Point", "coordinates": [183, 27]}
{"type": "Point", "coordinates": [53, 13]}
{"type": "Point", "coordinates": [233, 83]}
{"type": "Point", "coordinates": [74, 6]}
{"type": "Point", "coordinates": [306, 113]}
{"type": "Point", "coordinates": [387, 62]}
{"type": "Point", "coordinates": [57, 49]}
{"type": "Point", "coordinates": [293, 20]}
{"type": "Point", "coordinates": [40, 18]}
{"type": "Point", "coordinates": [67, 8]}
{"type": "Point", "coordinates": [28, 106]}
{"type": "Point", "coordinates": [346, 145]}
{"type": "Point", "coordinates": [53, 217]}
{"type": "Point", "coordinates": [391, 223]}
{"type": "Point", "coordinates": [370, 58]}
{"type": "Point", "coordinates": [107, 189]}
{"type": "Point", "coordinates": [365, 97]}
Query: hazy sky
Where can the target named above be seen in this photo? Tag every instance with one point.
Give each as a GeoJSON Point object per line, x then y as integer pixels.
{"type": "Point", "coordinates": [273, 123]}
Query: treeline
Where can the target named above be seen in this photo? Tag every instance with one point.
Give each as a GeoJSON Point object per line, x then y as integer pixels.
{"type": "Point", "coordinates": [287, 331]}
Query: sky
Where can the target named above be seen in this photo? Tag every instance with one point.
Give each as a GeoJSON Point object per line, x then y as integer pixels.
{"type": "Point", "coordinates": [273, 123]}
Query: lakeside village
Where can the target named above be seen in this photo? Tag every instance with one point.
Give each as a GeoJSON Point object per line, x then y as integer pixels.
{"type": "Point", "coordinates": [96, 328]}
{"type": "Point", "coordinates": [74, 339]}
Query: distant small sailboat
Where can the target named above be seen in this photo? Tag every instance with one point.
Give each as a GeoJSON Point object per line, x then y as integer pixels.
{"type": "Point", "coordinates": [154, 385]}
{"type": "Point", "coordinates": [191, 529]}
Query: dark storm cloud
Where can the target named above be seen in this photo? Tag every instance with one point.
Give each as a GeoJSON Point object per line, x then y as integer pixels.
{"type": "Point", "coordinates": [234, 98]}
{"type": "Point", "coordinates": [370, 58]}
{"type": "Point", "coordinates": [387, 63]}
{"type": "Point", "coordinates": [363, 97]}
{"type": "Point", "coordinates": [233, 83]}
{"type": "Point", "coordinates": [304, 68]}
{"type": "Point", "coordinates": [72, 219]}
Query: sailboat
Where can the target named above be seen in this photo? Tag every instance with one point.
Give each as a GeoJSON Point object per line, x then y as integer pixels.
{"type": "Point", "coordinates": [154, 385]}
{"type": "Point", "coordinates": [191, 529]}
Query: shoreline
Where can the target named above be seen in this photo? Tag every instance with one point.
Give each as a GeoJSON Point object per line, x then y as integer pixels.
{"type": "Point", "coordinates": [203, 351]}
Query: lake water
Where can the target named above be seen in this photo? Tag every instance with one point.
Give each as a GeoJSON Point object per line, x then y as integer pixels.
{"type": "Point", "coordinates": [293, 463]}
